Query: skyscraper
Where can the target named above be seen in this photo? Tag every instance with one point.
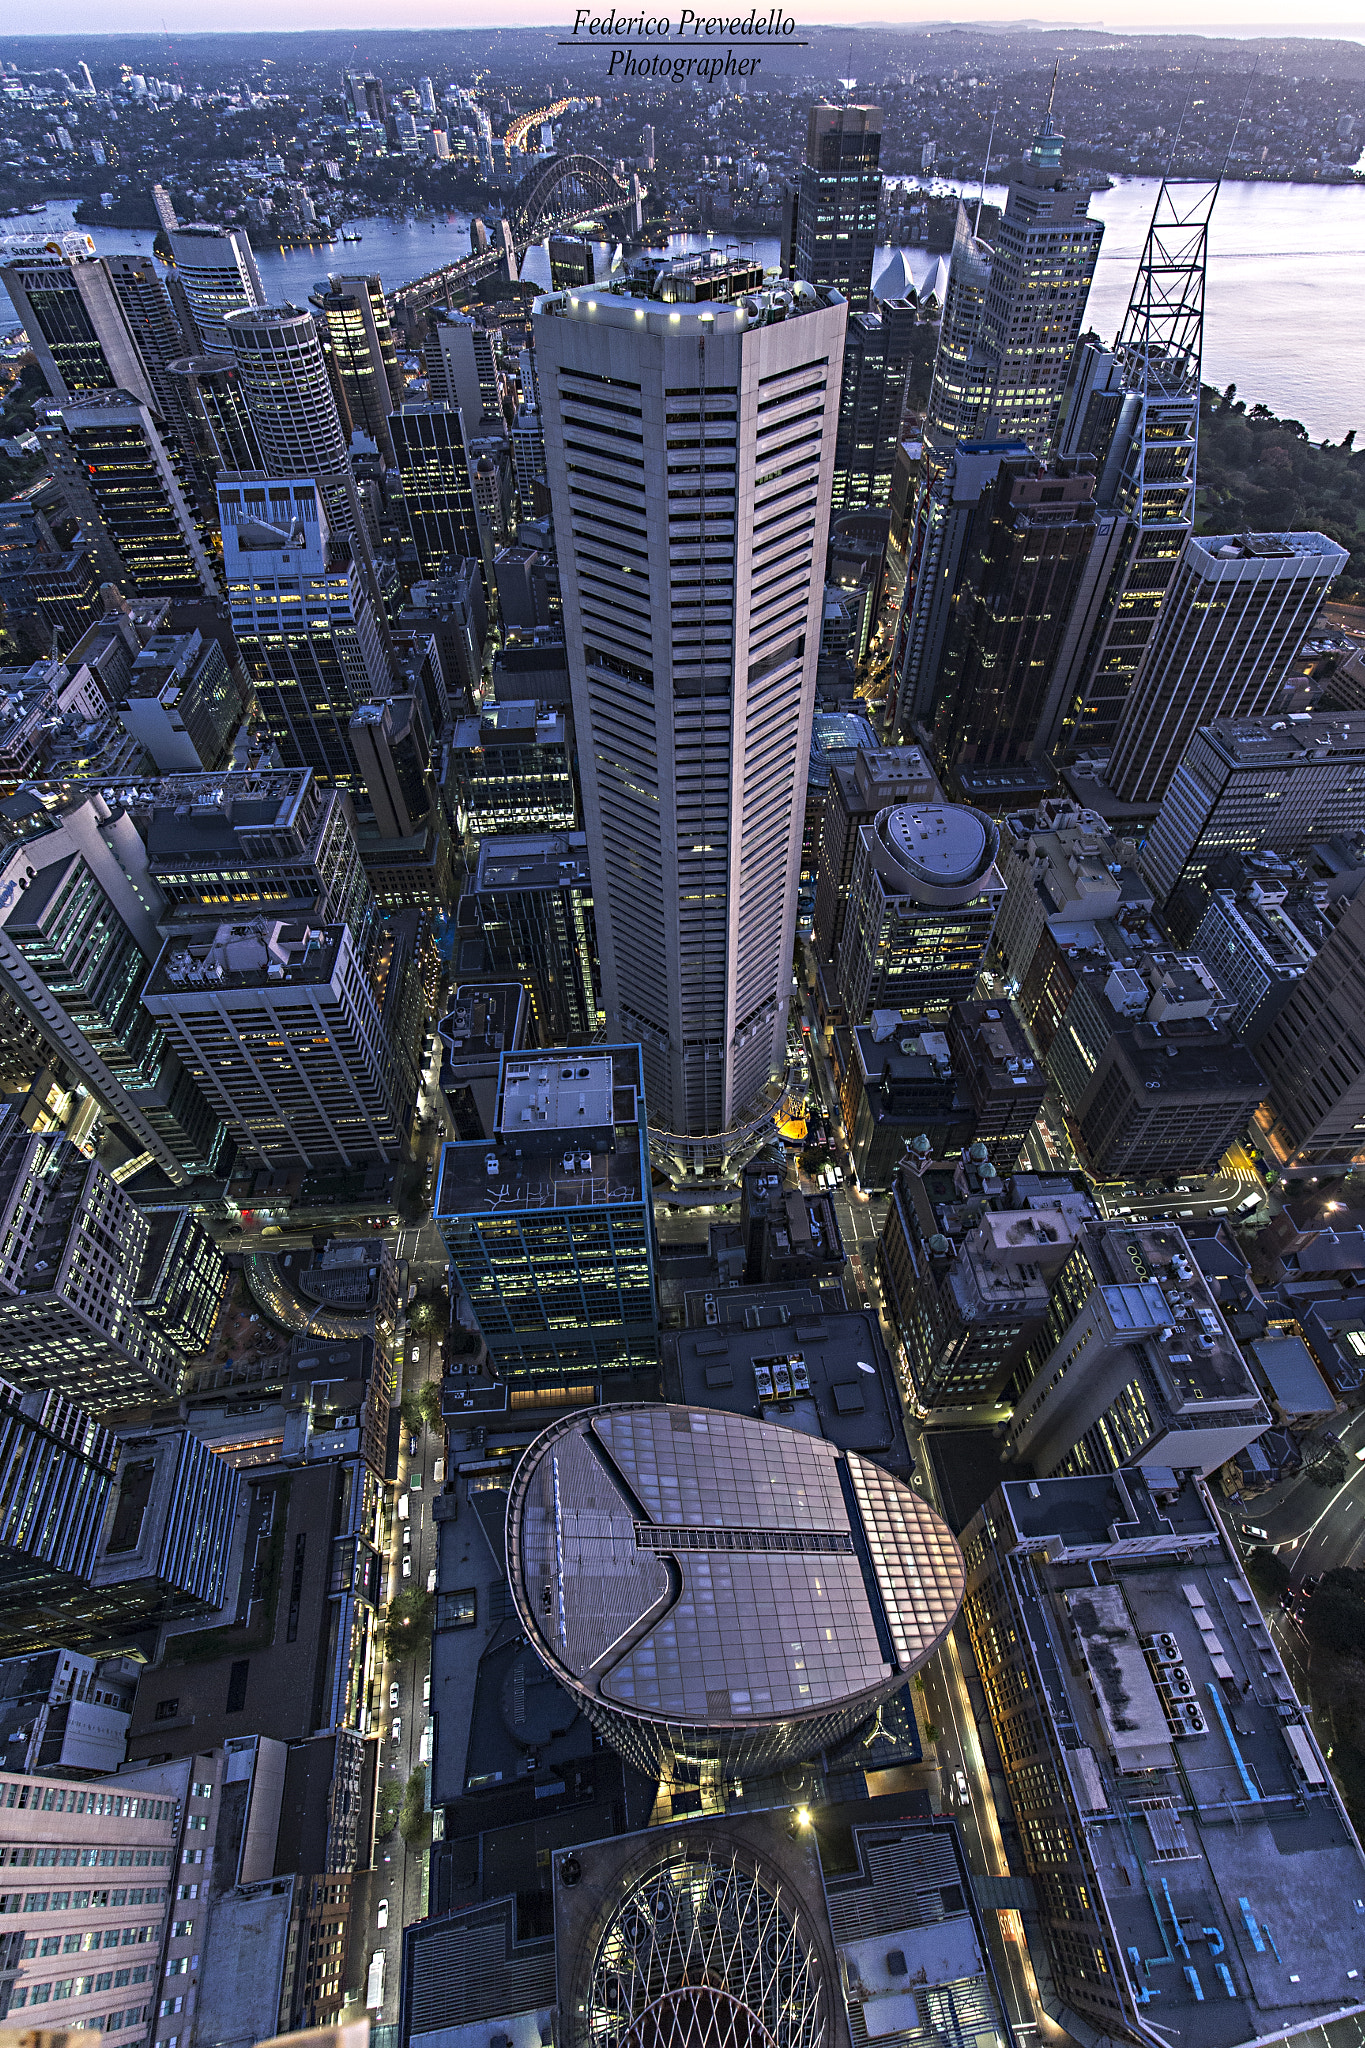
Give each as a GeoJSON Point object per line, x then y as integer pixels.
{"type": "Point", "coordinates": [277, 1022]}
{"type": "Point", "coordinates": [57, 1470]}
{"type": "Point", "coordinates": [1314, 1058]}
{"type": "Point", "coordinates": [956, 497]}
{"type": "Point", "coordinates": [217, 274]}
{"type": "Point", "coordinates": [877, 359]}
{"type": "Point", "coordinates": [76, 325]}
{"type": "Point", "coordinates": [443, 516]}
{"type": "Point", "coordinates": [117, 459]}
{"type": "Point", "coordinates": [1233, 619]}
{"type": "Point", "coordinates": [289, 397]}
{"type": "Point", "coordinates": [1137, 412]}
{"type": "Point", "coordinates": [833, 235]}
{"type": "Point", "coordinates": [73, 1246]}
{"type": "Point", "coordinates": [302, 619]}
{"type": "Point", "coordinates": [461, 368]}
{"type": "Point", "coordinates": [77, 939]}
{"type": "Point", "coordinates": [962, 372]}
{"type": "Point", "coordinates": [1244, 784]}
{"type": "Point", "coordinates": [550, 1224]}
{"type": "Point", "coordinates": [365, 354]}
{"type": "Point", "coordinates": [217, 406]}
{"type": "Point", "coordinates": [1011, 600]}
{"type": "Point", "coordinates": [691, 516]}
{"type": "Point", "coordinates": [530, 898]}
{"type": "Point", "coordinates": [1042, 261]}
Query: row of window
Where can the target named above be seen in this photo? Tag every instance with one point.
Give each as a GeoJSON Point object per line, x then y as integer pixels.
{"type": "Point", "coordinates": [61, 1799]}
{"type": "Point", "coordinates": [78, 1987]}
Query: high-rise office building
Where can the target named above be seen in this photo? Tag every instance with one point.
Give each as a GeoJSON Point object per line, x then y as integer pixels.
{"type": "Point", "coordinates": [1314, 1058]}
{"type": "Point", "coordinates": [511, 770]}
{"type": "Point", "coordinates": [922, 900]}
{"type": "Point", "coordinates": [1120, 1648]}
{"type": "Point", "coordinates": [1234, 617]}
{"type": "Point", "coordinates": [1259, 938]}
{"type": "Point", "coordinates": [1246, 784]}
{"type": "Point", "coordinates": [1136, 410]}
{"type": "Point", "coordinates": [271, 842]}
{"type": "Point", "coordinates": [819, 1585]}
{"type": "Point", "coordinates": [78, 935]}
{"type": "Point", "coordinates": [45, 588]}
{"type": "Point", "coordinates": [161, 341]}
{"type": "Point", "coordinates": [217, 274]}
{"type": "Point", "coordinates": [117, 460]}
{"type": "Point", "coordinates": [962, 371]}
{"type": "Point", "coordinates": [1015, 584]}
{"type": "Point", "coordinates": [76, 325]}
{"type": "Point", "coordinates": [692, 621]}
{"type": "Point", "coordinates": [288, 394]}
{"type": "Point", "coordinates": [302, 617]}
{"type": "Point", "coordinates": [282, 1032]}
{"type": "Point", "coordinates": [550, 1223]}
{"type": "Point", "coordinates": [530, 899]}
{"type": "Point", "coordinates": [461, 368]}
{"type": "Point", "coordinates": [216, 405]}
{"type": "Point", "coordinates": [875, 778]}
{"type": "Point", "coordinates": [832, 233]}
{"type": "Point", "coordinates": [1161, 1382]}
{"type": "Point", "coordinates": [1042, 261]}
{"type": "Point", "coordinates": [954, 500]}
{"type": "Point", "coordinates": [184, 1278]}
{"type": "Point", "coordinates": [72, 1246]}
{"type": "Point", "coordinates": [391, 743]}
{"type": "Point", "coordinates": [1153, 1080]}
{"type": "Point", "coordinates": [877, 361]}
{"type": "Point", "coordinates": [443, 514]}
{"type": "Point", "coordinates": [968, 1283]}
{"type": "Point", "coordinates": [365, 354]}
{"type": "Point", "coordinates": [183, 702]}
{"type": "Point", "coordinates": [992, 1055]}
{"type": "Point", "coordinates": [57, 1469]}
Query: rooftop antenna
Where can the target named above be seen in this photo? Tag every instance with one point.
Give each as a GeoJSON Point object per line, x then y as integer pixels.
{"type": "Point", "coordinates": [1052, 94]}
{"type": "Point", "coordinates": [981, 200]}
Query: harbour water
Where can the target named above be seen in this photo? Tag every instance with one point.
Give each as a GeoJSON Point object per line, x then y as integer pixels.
{"type": "Point", "coordinates": [1285, 286]}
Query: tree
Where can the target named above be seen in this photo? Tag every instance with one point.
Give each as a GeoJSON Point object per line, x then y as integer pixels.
{"type": "Point", "coordinates": [410, 1407]}
{"type": "Point", "coordinates": [430, 1399]}
{"type": "Point", "coordinates": [408, 1621]}
{"type": "Point", "coordinates": [427, 1317]}
{"type": "Point", "coordinates": [390, 1804]}
{"type": "Point", "coordinates": [414, 1822]}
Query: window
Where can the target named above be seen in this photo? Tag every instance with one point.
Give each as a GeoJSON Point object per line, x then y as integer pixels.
{"type": "Point", "coordinates": [184, 1928]}
{"type": "Point", "coordinates": [166, 1710]}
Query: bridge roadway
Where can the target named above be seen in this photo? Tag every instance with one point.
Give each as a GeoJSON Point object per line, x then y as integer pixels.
{"type": "Point", "coordinates": [554, 195]}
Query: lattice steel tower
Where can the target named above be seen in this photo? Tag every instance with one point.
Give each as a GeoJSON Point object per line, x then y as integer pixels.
{"type": "Point", "coordinates": [1136, 408]}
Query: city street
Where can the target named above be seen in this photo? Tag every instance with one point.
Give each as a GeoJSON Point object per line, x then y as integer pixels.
{"type": "Point", "coordinates": [1315, 1527]}
{"type": "Point", "coordinates": [399, 1877]}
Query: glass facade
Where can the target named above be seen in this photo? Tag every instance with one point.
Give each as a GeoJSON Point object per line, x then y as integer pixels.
{"type": "Point", "coordinates": [720, 1592]}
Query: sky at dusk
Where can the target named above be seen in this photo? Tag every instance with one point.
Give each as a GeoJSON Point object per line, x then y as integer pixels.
{"type": "Point", "coordinates": [1211, 17]}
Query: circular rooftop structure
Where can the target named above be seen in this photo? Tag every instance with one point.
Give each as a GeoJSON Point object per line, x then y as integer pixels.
{"type": "Point", "coordinates": [948, 846]}
{"type": "Point", "coordinates": [706, 1950]}
{"type": "Point", "coordinates": [715, 1590]}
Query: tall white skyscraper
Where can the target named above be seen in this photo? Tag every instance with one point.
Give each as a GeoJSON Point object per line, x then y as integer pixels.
{"type": "Point", "coordinates": [217, 273]}
{"type": "Point", "coordinates": [690, 420]}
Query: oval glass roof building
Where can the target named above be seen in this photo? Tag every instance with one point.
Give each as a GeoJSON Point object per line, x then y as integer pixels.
{"type": "Point", "coordinates": [717, 1591]}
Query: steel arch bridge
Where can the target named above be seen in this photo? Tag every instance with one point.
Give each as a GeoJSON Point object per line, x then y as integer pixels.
{"type": "Point", "coordinates": [568, 188]}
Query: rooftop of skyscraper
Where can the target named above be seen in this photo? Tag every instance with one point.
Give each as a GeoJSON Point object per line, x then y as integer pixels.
{"type": "Point", "coordinates": [1228, 1871]}
{"type": "Point", "coordinates": [259, 953]}
{"type": "Point", "coordinates": [711, 287]}
{"type": "Point", "coordinates": [838, 1579]}
{"type": "Point", "coordinates": [532, 860]}
{"type": "Point", "coordinates": [1286, 742]}
{"type": "Point", "coordinates": [567, 1135]}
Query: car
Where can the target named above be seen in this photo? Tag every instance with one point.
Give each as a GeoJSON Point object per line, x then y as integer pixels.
{"type": "Point", "coordinates": [393, 1694]}
{"type": "Point", "coordinates": [412, 1447]}
{"type": "Point", "coordinates": [402, 1507]}
{"type": "Point", "coordinates": [397, 1729]}
{"type": "Point", "coordinates": [381, 1918]}
{"type": "Point", "coordinates": [1255, 1532]}
{"type": "Point", "coordinates": [407, 1535]}
{"type": "Point", "coordinates": [963, 1794]}
{"type": "Point", "coordinates": [407, 1564]}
